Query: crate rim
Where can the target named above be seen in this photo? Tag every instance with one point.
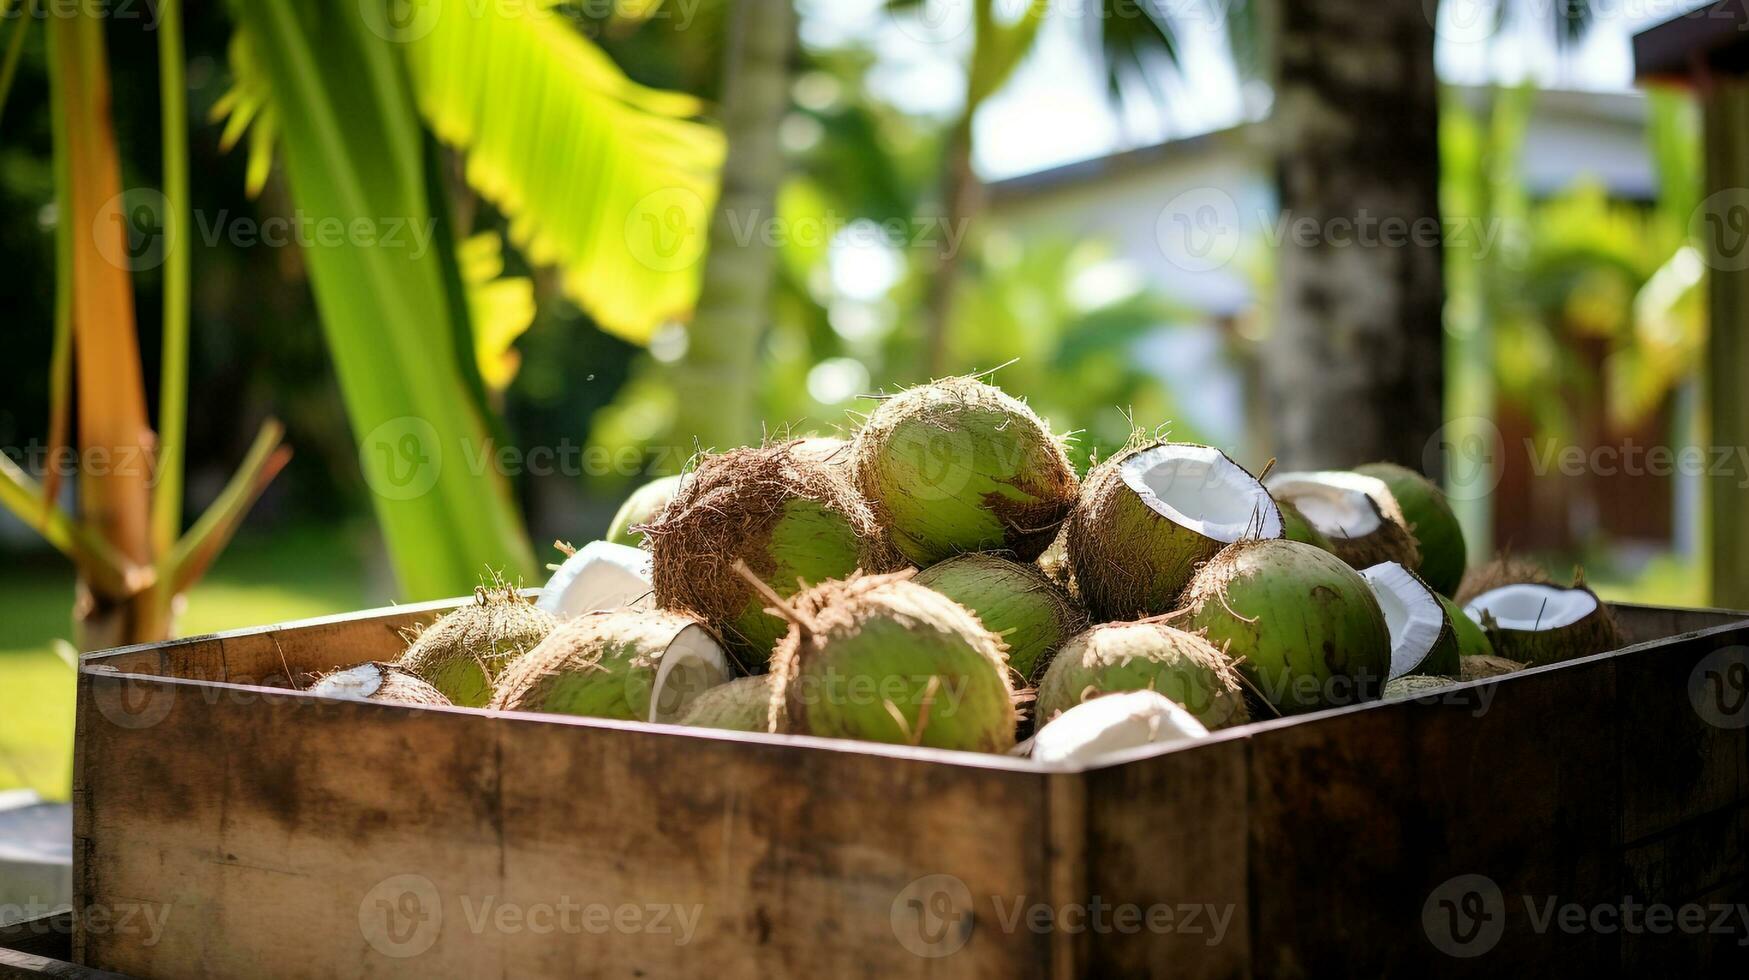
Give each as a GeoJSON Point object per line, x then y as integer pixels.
{"type": "Point", "coordinates": [91, 665]}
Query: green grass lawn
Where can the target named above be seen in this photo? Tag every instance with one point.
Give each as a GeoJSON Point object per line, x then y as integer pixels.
{"type": "Point", "coordinates": [289, 574]}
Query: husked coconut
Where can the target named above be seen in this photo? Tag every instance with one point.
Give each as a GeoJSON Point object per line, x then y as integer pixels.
{"type": "Point", "coordinates": [599, 575]}
{"type": "Point", "coordinates": [1093, 731]}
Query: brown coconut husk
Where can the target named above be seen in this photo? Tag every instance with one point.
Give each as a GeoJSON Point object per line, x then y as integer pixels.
{"type": "Point", "coordinates": [1505, 569]}
{"type": "Point", "coordinates": [1414, 686]}
{"type": "Point", "coordinates": [1483, 666]}
{"type": "Point", "coordinates": [1031, 527]}
{"type": "Point", "coordinates": [727, 509]}
{"type": "Point", "coordinates": [396, 686]}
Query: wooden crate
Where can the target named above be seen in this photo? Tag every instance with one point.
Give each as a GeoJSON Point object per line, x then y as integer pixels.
{"type": "Point", "coordinates": [271, 831]}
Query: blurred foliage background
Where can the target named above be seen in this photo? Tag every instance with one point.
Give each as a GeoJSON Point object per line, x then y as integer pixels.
{"type": "Point", "coordinates": [1586, 322]}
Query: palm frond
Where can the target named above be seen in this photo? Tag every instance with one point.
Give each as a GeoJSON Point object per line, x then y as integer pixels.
{"type": "Point", "coordinates": [501, 307]}
{"type": "Point", "coordinates": [597, 174]}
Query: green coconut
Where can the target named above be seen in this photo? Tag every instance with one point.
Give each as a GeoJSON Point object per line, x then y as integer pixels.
{"type": "Point", "coordinates": [742, 705]}
{"type": "Point", "coordinates": [1430, 518]}
{"type": "Point", "coordinates": [1504, 569]}
{"type": "Point", "coordinates": [883, 659]}
{"type": "Point", "coordinates": [631, 664]}
{"type": "Point", "coordinates": [1424, 639]}
{"type": "Point", "coordinates": [1538, 624]}
{"type": "Point", "coordinates": [376, 682]}
{"type": "Point", "coordinates": [1304, 627]}
{"type": "Point", "coordinates": [1149, 516]}
{"type": "Point", "coordinates": [1360, 518]}
{"type": "Point", "coordinates": [463, 653]}
{"type": "Point", "coordinates": [788, 517]}
{"type": "Point", "coordinates": [640, 508]}
{"type": "Point", "coordinates": [1146, 656]}
{"type": "Point", "coordinates": [1295, 527]}
{"type": "Point", "coordinates": [1015, 601]}
{"type": "Point", "coordinates": [1485, 666]}
{"type": "Point", "coordinates": [959, 466]}
{"type": "Point", "coordinates": [1472, 641]}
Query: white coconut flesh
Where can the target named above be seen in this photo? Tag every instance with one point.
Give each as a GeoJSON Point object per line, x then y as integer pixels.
{"type": "Point", "coordinates": [1337, 504]}
{"type": "Point", "coordinates": [1414, 616]}
{"type": "Point", "coordinates": [1200, 489]}
{"type": "Point", "coordinates": [1113, 723]}
{"type": "Point", "coordinates": [1533, 608]}
{"type": "Point", "coordinates": [692, 664]}
{"type": "Point", "coordinates": [354, 683]}
{"type": "Point", "coordinates": [601, 575]}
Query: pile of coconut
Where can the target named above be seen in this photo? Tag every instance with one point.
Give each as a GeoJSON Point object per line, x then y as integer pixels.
{"type": "Point", "coordinates": [945, 579]}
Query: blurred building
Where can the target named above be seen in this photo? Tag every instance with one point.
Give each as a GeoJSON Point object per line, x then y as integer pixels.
{"type": "Point", "coordinates": [1198, 219]}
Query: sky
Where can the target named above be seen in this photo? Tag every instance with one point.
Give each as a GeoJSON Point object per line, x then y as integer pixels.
{"type": "Point", "coordinates": [1055, 111]}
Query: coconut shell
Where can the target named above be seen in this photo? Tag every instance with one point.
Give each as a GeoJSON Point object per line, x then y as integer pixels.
{"type": "Point", "coordinates": [790, 519]}
{"type": "Point", "coordinates": [376, 681]}
{"type": "Point", "coordinates": [1016, 601]}
{"type": "Point", "coordinates": [462, 654]}
{"type": "Point", "coordinates": [742, 705]}
{"type": "Point", "coordinates": [1305, 628]}
{"type": "Point", "coordinates": [1130, 561]}
{"type": "Point", "coordinates": [1485, 666]}
{"type": "Point", "coordinates": [1503, 570]}
{"type": "Point", "coordinates": [1596, 633]}
{"type": "Point", "coordinates": [605, 665]}
{"type": "Point", "coordinates": [1391, 541]}
{"type": "Point", "coordinates": [1429, 517]}
{"type": "Point", "coordinates": [959, 466]}
{"type": "Point", "coordinates": [883, 659]}
{"type": "Point", "coordinates": [1146, 656]}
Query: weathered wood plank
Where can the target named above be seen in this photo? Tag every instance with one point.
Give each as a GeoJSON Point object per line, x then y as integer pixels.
{"type": "Point", "coordinates": [399, 836]}
{"type": "Point", "coordinates": [1390, 839]}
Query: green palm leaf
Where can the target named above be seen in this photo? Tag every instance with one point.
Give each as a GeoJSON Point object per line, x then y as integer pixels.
{"type": "Point", "coordinates": [609, 181]}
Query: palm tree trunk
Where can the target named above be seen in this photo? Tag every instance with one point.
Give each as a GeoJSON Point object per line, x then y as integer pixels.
{"type": "Point", "coordinates": [961, 197]}
{"type": "Point", "coordinates": [717, 378]}
{"type": "Point", "coordinates": [1355, 366]}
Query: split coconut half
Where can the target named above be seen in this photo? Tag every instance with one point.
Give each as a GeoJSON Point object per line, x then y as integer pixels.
{"type": "Point", "coordinates": [599, 575]}
{"type": "Point", "coordinates": [1423, 639]}
{"type": "Point", "coordinates": [1357, 514]}
{"type": "Point", "coordinates": [631, 664]}
{"type": "Point", "coordinates": [1096, 729]}
{"type": "Point", "coordinates": [1148, 517]}
{"type": "Point", "coordinates": [1534, 623]}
